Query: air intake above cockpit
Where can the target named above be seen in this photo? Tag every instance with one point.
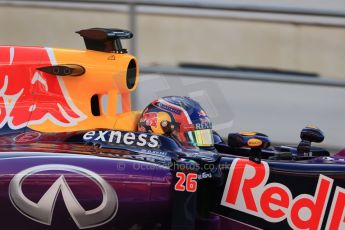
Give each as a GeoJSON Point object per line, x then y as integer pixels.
{"type": "Point", "coordinates": [105, 40]}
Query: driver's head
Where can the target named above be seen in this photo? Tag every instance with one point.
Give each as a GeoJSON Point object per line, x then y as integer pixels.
{"type": "Point", "coordinates": [179, 117]}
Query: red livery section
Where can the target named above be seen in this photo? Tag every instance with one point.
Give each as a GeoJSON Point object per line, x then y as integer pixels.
{"type": "Point", "coordinates": [29, 96]}
{"type": "Point", "coordinates": [151, 119]}
{"type": "Point", "coordinates": [246, 190]}
{"type": "Point", "coordinates": [337, 210]}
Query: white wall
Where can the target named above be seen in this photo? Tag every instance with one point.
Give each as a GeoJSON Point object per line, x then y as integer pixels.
{"type": "Point", "coordinates": [169, 39]}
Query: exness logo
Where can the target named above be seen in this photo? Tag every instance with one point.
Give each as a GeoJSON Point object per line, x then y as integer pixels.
{"type": "Point", "coordinates": [246, 190]}
{"type": "Point", "coordinates": [42, 211]}
{"type": "Point", "coordinates": [126, 138]}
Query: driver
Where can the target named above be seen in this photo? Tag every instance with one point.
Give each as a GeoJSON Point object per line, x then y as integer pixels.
{"type": "Point", "coordinates": [179, 117]}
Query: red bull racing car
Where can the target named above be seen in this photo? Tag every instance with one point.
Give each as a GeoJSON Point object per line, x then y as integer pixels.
{"type": "Point", "coordinates": [75, 156]}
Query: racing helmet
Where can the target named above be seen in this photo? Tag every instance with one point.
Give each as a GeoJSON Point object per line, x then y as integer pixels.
{"type": "Point", "coordinates": [179, 117]}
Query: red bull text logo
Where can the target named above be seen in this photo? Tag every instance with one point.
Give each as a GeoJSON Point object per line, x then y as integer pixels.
{"type": "Point", "coordinates": [29, 96]}
{"type": "Point", "coordinates": [246, 190]}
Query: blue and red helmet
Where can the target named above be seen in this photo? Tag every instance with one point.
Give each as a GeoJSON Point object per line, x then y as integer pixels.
{"type": "Point", "coordinates": [181, 117]}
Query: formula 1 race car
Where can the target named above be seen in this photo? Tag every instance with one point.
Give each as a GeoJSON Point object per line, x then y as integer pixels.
{"type": "Point", "coordinates": [71, 161]}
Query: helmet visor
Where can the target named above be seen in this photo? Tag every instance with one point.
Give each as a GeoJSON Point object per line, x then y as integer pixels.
{"type": "Point", "coordinates": [201, 138]}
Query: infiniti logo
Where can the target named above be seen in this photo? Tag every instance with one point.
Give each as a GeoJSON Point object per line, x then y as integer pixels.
{"type": "Point", "coordinates": [42, 211]}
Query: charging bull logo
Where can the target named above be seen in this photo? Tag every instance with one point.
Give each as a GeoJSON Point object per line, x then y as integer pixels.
{"type": "Point", "coordinates": [246, 190]}
{"type": "Point", "coordinates": [29, 96]}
